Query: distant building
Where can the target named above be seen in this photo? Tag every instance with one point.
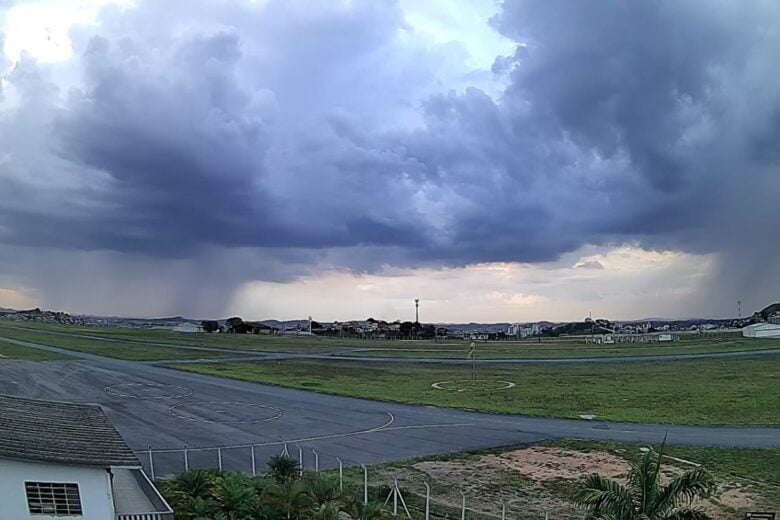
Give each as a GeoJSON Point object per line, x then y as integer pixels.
{"type": "Point", "coordinates": [187, 326]}
{"type": "Point", "coordinates": [520, 331]}
{"type": "Point", "coordinates": [762, 330]}
{"type": "Point", "coordinates": [67, 460]}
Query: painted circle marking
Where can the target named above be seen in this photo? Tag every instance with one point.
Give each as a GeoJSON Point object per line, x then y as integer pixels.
{"type": "Point", "coordinates": [148, 391]}
{"type": "Point", "coordinates": [225, 412]}
{"type": "Point", "coordinates": [468, 385]}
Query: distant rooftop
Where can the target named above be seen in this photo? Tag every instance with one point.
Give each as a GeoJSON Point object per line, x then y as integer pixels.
{"type": "Point", "coordinates": [65, 433]}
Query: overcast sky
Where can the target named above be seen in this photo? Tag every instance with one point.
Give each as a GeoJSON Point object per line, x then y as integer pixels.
{"type": "Point", "coordinates": [501, 161]}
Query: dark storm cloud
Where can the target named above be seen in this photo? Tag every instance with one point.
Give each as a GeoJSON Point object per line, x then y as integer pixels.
{"type": "Point", "coordinates": [177, 130]}
{"type": "Point", "coordinates": [282, 127]}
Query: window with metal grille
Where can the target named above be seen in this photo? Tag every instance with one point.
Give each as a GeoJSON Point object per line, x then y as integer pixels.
{"type": "Point", "coordinates": [53, 498]}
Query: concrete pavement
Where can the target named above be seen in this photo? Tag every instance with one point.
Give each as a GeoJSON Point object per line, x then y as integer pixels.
{"type": "Point", "coordinates": [168, 410]}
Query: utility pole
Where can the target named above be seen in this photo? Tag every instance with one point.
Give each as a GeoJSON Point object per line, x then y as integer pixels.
{"type": "Point", "coordinates": [417, 310]}
{"type": "Point", "coordinates": [739, 308]}
{"type": "Point", "coordinates": [590, 317]}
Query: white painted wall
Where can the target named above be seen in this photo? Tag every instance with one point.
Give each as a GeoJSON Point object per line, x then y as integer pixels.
{"type": "Point", "coordinates": [94, 487]}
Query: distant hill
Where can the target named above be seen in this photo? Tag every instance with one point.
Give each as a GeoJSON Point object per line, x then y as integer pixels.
{"type": "Point", "coordinates": [174, 319]}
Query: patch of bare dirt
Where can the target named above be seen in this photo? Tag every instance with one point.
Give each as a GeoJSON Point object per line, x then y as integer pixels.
{"type": "Point", "coordinates": [738, 499]}
{"type": "Point", "coordinates": [540, 463]}
{"type": "Point", "coordinates": [732, 501]}
{"type": "Point", "coordinates": [488, 484]}
{"type": "Point", "coordinates": [538, 479]}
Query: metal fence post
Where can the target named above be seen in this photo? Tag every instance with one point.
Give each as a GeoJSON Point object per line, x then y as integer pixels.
{"type": "Point", "coordinates": [219, 458]}
{"type": "Point", "coordinates": [395, 497]}
{"type": "Point", "coordinates": [316, 460]}
{"type": "Point", "coordinates": [254, 464]}
{"type": "Point", "coordinates": [463, 506]}
{"type": "Point", "coordinates": [365, 484]}
{"type": "Point", "coordinates": [186, 459]}
{"type": "Point", "coordinates": [151, 462]}
{"type": "Point", "coordinates": [341, 474]}
{"type": "Point", "coordinates": [427, 501]}
{"type": "Point", "coordinates": [300, 461]}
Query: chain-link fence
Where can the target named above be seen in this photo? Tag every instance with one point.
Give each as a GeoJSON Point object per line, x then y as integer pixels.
{"type": "Point", "coordinates": [404, 493]}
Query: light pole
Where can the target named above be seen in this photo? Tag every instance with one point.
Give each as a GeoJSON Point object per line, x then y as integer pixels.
{"type": "Point", "coordinates": [417, 310]}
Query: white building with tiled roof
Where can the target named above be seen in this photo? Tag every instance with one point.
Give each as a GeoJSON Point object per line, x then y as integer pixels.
{"type": "Point", "coordinates": [67, 460]}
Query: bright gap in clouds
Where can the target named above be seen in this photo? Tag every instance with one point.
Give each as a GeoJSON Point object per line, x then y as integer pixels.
{"type": "Point", "coordinates": [604, 282]}
{"type": "Point", "coordinates": [16, 298]}
{"type": "Point", "coordinates": [40, 28]}
{"type": "Point", "coordinates": [466, 22]}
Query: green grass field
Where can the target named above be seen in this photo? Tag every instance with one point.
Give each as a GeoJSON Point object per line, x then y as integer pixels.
{"type": "Point", "coordinates": [248, 342]}
{"type": "Point", "coordinates": [129, 351]}
{"type": "Point", "coordinates": [10, 351]}
{"type": "Point", "coordinates": [454, 349]}
{"type": "Point", "coordinates": [714, 392]}
{"type": "Point", "coordinates": [573, 350]}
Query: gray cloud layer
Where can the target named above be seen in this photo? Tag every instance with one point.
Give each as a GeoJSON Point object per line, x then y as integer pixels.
{"type": "Point", "coordinates": [327, 135]}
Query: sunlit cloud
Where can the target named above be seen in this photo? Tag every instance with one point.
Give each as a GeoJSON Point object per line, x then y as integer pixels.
{"type": "Point", "coordinates": [633, 283]}
{"type": "Point", "coordinates": [40, 27]}
{"type": "Point", "coordinates": [16, 298]}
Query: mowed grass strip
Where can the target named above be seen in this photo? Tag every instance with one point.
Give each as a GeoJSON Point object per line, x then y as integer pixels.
{"type": "Point", "coordinates": [249, 342]}
{"type": "Point", "coordinates": [705, 392]}
{"type": "Point", "coordinates": [577, 350]}
{"type": "Point", "coordinates": [11, 351]}
{"type": "Point", "coordinates": [128, 351]}
{"type": "Point", "coordinates": [455, 349]}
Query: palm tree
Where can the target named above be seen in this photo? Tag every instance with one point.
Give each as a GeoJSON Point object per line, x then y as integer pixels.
{"type": "Point", "coordinates": [236, 498]}
{"type": "Point", "coordinates": [323, 489]}
{"type": "Point", "coordinates": [643, 497]}
{"type": "Point", "coordinates": [201, 509]}
{"type": "Point", "coordinates": [357, 510]}
{"type": "Point", "coordinates": [191, 494]}
{"type": "Point", "coordinates": [328, 511]}
{"type": "Point", "coordinates": [292, 498]}
{"type": "Point", "coordinates": [282, 468]}
{"type": "Point", "coordinates": [193, 483]}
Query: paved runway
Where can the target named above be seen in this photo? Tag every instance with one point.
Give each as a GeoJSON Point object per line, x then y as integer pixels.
{"type": "Point", "coordinates": [169, 409]}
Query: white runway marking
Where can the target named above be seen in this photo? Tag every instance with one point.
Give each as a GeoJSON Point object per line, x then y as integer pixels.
{"type": "Point", "coordinates": [384, 427]}
{"type": "Point", "coordinates": [148, 391]}
{"type": "Point", "coordinates": [470, 385]}
{"type": "Point", "coordinates": [203, 408]}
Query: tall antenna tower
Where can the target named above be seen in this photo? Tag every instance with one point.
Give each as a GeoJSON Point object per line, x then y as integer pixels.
{"type": "Point", "coordinates": [417, 310]}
